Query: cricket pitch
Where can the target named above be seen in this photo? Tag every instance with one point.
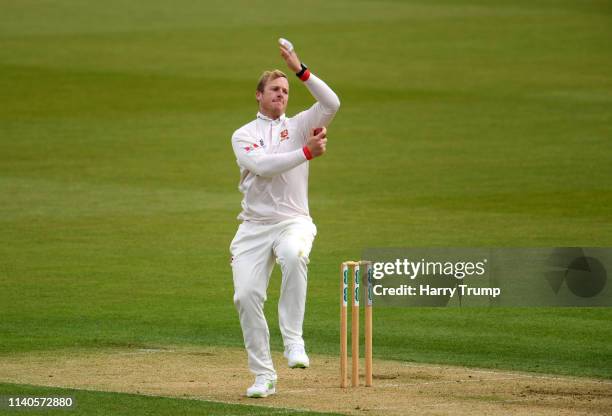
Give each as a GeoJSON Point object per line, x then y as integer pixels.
{"type": "Point", "coordinates": [220, 374]}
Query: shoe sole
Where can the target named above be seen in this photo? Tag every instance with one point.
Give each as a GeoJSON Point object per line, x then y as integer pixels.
{"type": "Point", "coordinates": [260, 395]}
{"type": "Point", "coordinates": [298, 365]}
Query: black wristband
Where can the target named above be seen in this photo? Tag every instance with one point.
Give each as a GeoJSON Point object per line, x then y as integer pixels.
{"type": "Point", "coordinates": [304, 68]}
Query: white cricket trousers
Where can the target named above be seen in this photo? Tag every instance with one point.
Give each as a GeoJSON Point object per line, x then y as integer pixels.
{"type": "Point", "coordinates": [254, 249]}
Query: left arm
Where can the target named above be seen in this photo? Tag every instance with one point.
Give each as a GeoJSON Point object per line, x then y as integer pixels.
{"type": "Point", "coordinates": [326, 107]}
{"type": "Point", "coordinates": [328, 103]}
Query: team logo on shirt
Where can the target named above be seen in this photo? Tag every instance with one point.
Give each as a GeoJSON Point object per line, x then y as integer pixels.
{"type": "Point", "coordinates": [284, 135]}
{"type": "Point", "coordinates": [255, 146]}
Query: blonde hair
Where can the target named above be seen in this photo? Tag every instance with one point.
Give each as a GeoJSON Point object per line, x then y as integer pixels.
{"type": "Point", "coordinates": [269, 76]}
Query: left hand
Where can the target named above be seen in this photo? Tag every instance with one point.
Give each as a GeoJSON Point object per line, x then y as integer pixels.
{"type": "Point", "coordinates": [292, 60]}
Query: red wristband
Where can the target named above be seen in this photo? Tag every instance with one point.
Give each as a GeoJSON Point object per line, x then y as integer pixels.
{"type": "Point", "coordinates": [305, 75]}
{"type": "Point", "coordinates": [307, 153]}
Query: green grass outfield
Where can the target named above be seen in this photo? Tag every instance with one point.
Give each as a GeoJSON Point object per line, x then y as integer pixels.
{"type": "Point", "coordinates": [91, 403]}
{"type": "Point", "coordinates": [463, 123]}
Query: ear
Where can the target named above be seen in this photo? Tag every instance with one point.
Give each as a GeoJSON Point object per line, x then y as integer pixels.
{"type": "Point", "coordinates": [258, 95]}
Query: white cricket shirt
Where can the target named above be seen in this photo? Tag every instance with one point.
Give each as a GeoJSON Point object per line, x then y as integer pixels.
{"type": "Point", "coordinates": [273, 166]}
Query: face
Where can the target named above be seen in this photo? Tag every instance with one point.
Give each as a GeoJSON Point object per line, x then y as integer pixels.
{"type": "Point", "coordinates": [273, 100]}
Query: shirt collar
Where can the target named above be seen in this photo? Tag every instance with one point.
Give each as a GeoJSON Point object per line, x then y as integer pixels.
{"type": "Point", "coordinates": [266, 118]}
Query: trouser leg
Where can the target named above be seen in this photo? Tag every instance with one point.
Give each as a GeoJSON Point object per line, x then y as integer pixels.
{"type": "Point", "coordinates": [292, 248]}
{"type": "Point", "coordinates": [251, 266]}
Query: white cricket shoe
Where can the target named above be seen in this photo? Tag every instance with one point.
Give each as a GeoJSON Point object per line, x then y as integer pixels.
{"type": "Point", "coordinates": [263, 387]}
{"type": "Point", "coordinates": [296, 356]}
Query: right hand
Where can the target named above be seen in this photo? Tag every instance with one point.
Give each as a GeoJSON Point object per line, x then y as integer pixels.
{"type": "Point", "coordinates": [317, 142]}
